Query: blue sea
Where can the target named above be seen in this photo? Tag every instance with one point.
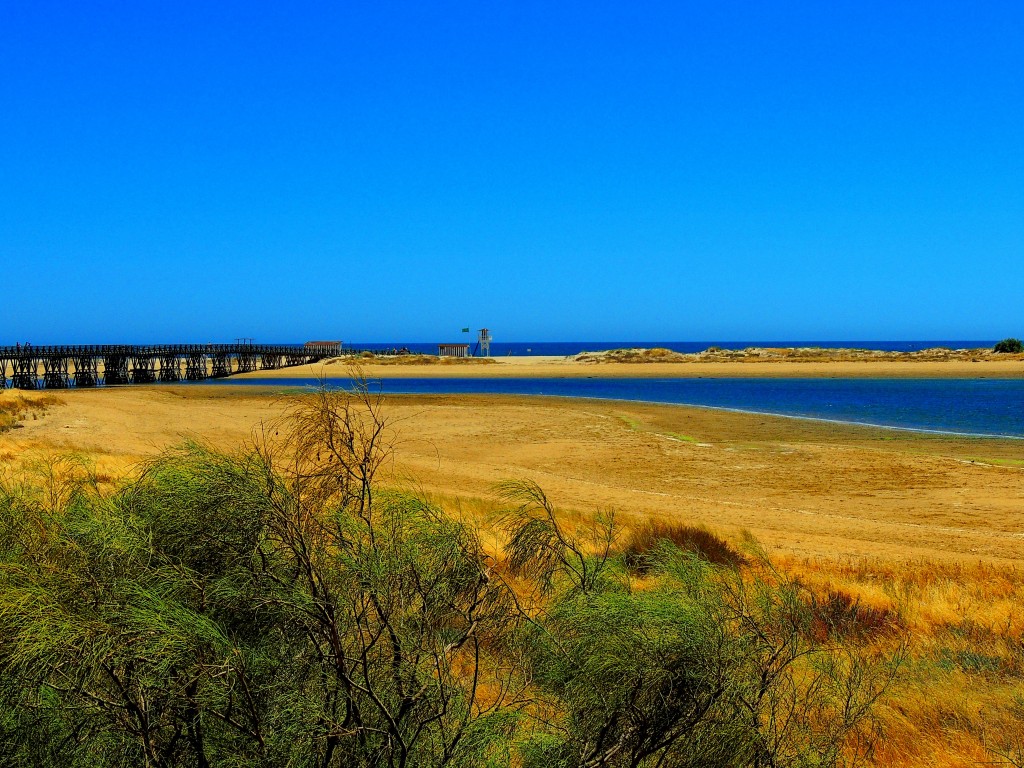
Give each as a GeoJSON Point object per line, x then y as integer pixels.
{"type": "Point", "coordinates": [977, 407]}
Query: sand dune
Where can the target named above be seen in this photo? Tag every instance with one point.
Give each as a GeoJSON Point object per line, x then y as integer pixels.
{"type": "Point", "coordinates": [683, 366]}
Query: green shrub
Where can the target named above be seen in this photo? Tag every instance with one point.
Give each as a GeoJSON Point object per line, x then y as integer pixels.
{"type": "Point", "coordinates": [270, 608]}
{"type": "Point", "coordinates": [1010, 346]}
{"type": "Point", "coordinates": [277, 607]}
{"type": "Point", "coordinates": [707, 666]}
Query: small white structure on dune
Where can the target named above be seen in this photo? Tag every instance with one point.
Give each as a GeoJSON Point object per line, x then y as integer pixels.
{"type": "Point", "coordinates": [484, 340]}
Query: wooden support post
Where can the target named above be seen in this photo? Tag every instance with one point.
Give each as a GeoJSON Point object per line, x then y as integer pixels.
{"type": "Point", "coordinates": [115, 368]}
{"type": "Point", "coordinates": [221, 365]}
{"type": "Point", "coordinates": [170, 366]}
{"type": "Point", "coordinates": [55, 371]}
{"type": "Point", "coordinates": [195, 366]}
{"type": "Point", "coordinates": [143, 369]}
{"type": "Point", "coordinates": [86, 370]}
{"type": "Point", "coordinates": [246, 361]}
{"type": "Point", "coordinates": [26, 372]}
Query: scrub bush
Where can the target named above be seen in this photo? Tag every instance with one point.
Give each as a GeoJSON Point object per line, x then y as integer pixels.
{"type": "Point", "coordinates": [707, 667]}
{"type": "Point", "coordinates": [645, 541]}
{"type": "Point", "coordinates": [277, 606]}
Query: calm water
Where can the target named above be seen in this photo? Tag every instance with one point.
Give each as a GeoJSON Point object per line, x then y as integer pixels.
{"type": "Point", "coordinates": [991, 407]}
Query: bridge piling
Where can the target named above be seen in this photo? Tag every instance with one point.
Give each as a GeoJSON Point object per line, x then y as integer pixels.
{"type": "Point", "coordinates": [80, 366]}
{"type": "Point", "coordinates": [115, 368]}
{"type": "Point", "coordinates": [195, 366]}
{"type": "Point", "coordinates": [55, 372]}
{"type": "Point", "coordinates": [246, 362]}
{"type": "Point", "coordinates": [26, 371]}
{"type": "Point", "coordinates": [221, 365]}
{"type": "Point", "coordinates": [86, 371]}
{"type": "Point", "coordinates": [170, 367]}
{"type": "Point", "coordinates": [143, 369]}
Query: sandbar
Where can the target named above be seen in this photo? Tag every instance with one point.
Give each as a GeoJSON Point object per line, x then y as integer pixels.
{"type": "Point", "coordinates": [562, 367]}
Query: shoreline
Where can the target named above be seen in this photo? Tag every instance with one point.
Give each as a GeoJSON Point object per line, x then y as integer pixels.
{"type": "Point", "coordinates": [612, 401]}
{"type": "Point", "coordinates": [562, 367]}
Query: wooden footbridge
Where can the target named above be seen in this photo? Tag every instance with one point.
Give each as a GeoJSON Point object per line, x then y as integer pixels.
{"type": "Point", "coordinates": [60, 367]}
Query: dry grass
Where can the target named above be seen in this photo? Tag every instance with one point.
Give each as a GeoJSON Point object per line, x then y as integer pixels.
{"type": "Point", "coordinates": [652, 355]}
{"type": "Point", "coordinates": [838, 615]}
{"type": "Point", "coordinates": [645, 539]}
{"type": "Point", "coordinates": [16, 407]}
{"type": "Point", "coordinates": [369, 358]}
{"type": "Point", "coordinates": [960, 698]}
{"type": "Point", "coordinates": [790, 354]}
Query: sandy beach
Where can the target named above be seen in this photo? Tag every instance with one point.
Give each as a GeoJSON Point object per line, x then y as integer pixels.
{"type": "Point", "coordinates": [803, 488]}
{"type": "Point", "coordinates": [562, 367]}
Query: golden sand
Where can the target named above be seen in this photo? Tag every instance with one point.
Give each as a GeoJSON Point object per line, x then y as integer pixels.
{"type": "Point", "coordinates": [692, 366]}
{"type": "Point", "coordinates": [803, 488]}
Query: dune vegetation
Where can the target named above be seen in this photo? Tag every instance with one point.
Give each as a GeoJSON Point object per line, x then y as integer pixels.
{"type": "Point", "coordinates": [408, 359]}
{"type": "Point", "coordinates": [283, 604]}
{"type": "Point", "coordinates": [1007, 347]}
{"type": "Point", "coordinates": [15, 410]}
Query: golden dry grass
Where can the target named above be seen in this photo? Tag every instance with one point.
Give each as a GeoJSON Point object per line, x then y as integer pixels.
{"type": "Point", "coordinates": [960, 694]}
{"type": "Point", "coordinates": [368, 358]}
{"type": "Point", "coordinates": [17, 407]}
{"type": "Point", "coordinates": [795, 354]}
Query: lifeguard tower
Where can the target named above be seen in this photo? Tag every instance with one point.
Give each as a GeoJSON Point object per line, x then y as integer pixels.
{"type": "Point", "coordinates": [484, 342]}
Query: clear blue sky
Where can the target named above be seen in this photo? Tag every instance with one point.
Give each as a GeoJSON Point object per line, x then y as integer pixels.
{"type": "Point", "coordinates": [552, 170]}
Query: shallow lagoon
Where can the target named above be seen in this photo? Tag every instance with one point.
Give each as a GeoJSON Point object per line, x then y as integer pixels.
{"type": "Point", "coordinates": [984, 407]}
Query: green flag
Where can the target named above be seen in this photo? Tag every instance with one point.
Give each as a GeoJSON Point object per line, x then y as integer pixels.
{"type": "Point", "coordinates": [465, 330]}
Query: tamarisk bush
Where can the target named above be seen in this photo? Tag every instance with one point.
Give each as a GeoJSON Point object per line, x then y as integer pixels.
{"type": "Point", "coordinates": [1009, 346]}
{"type": "Point", "coordinates": [706, 667]}
{"type": "Point", "coordinates": [265, 608]}
{"type": "Point", "coordinates": [278, 606]}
